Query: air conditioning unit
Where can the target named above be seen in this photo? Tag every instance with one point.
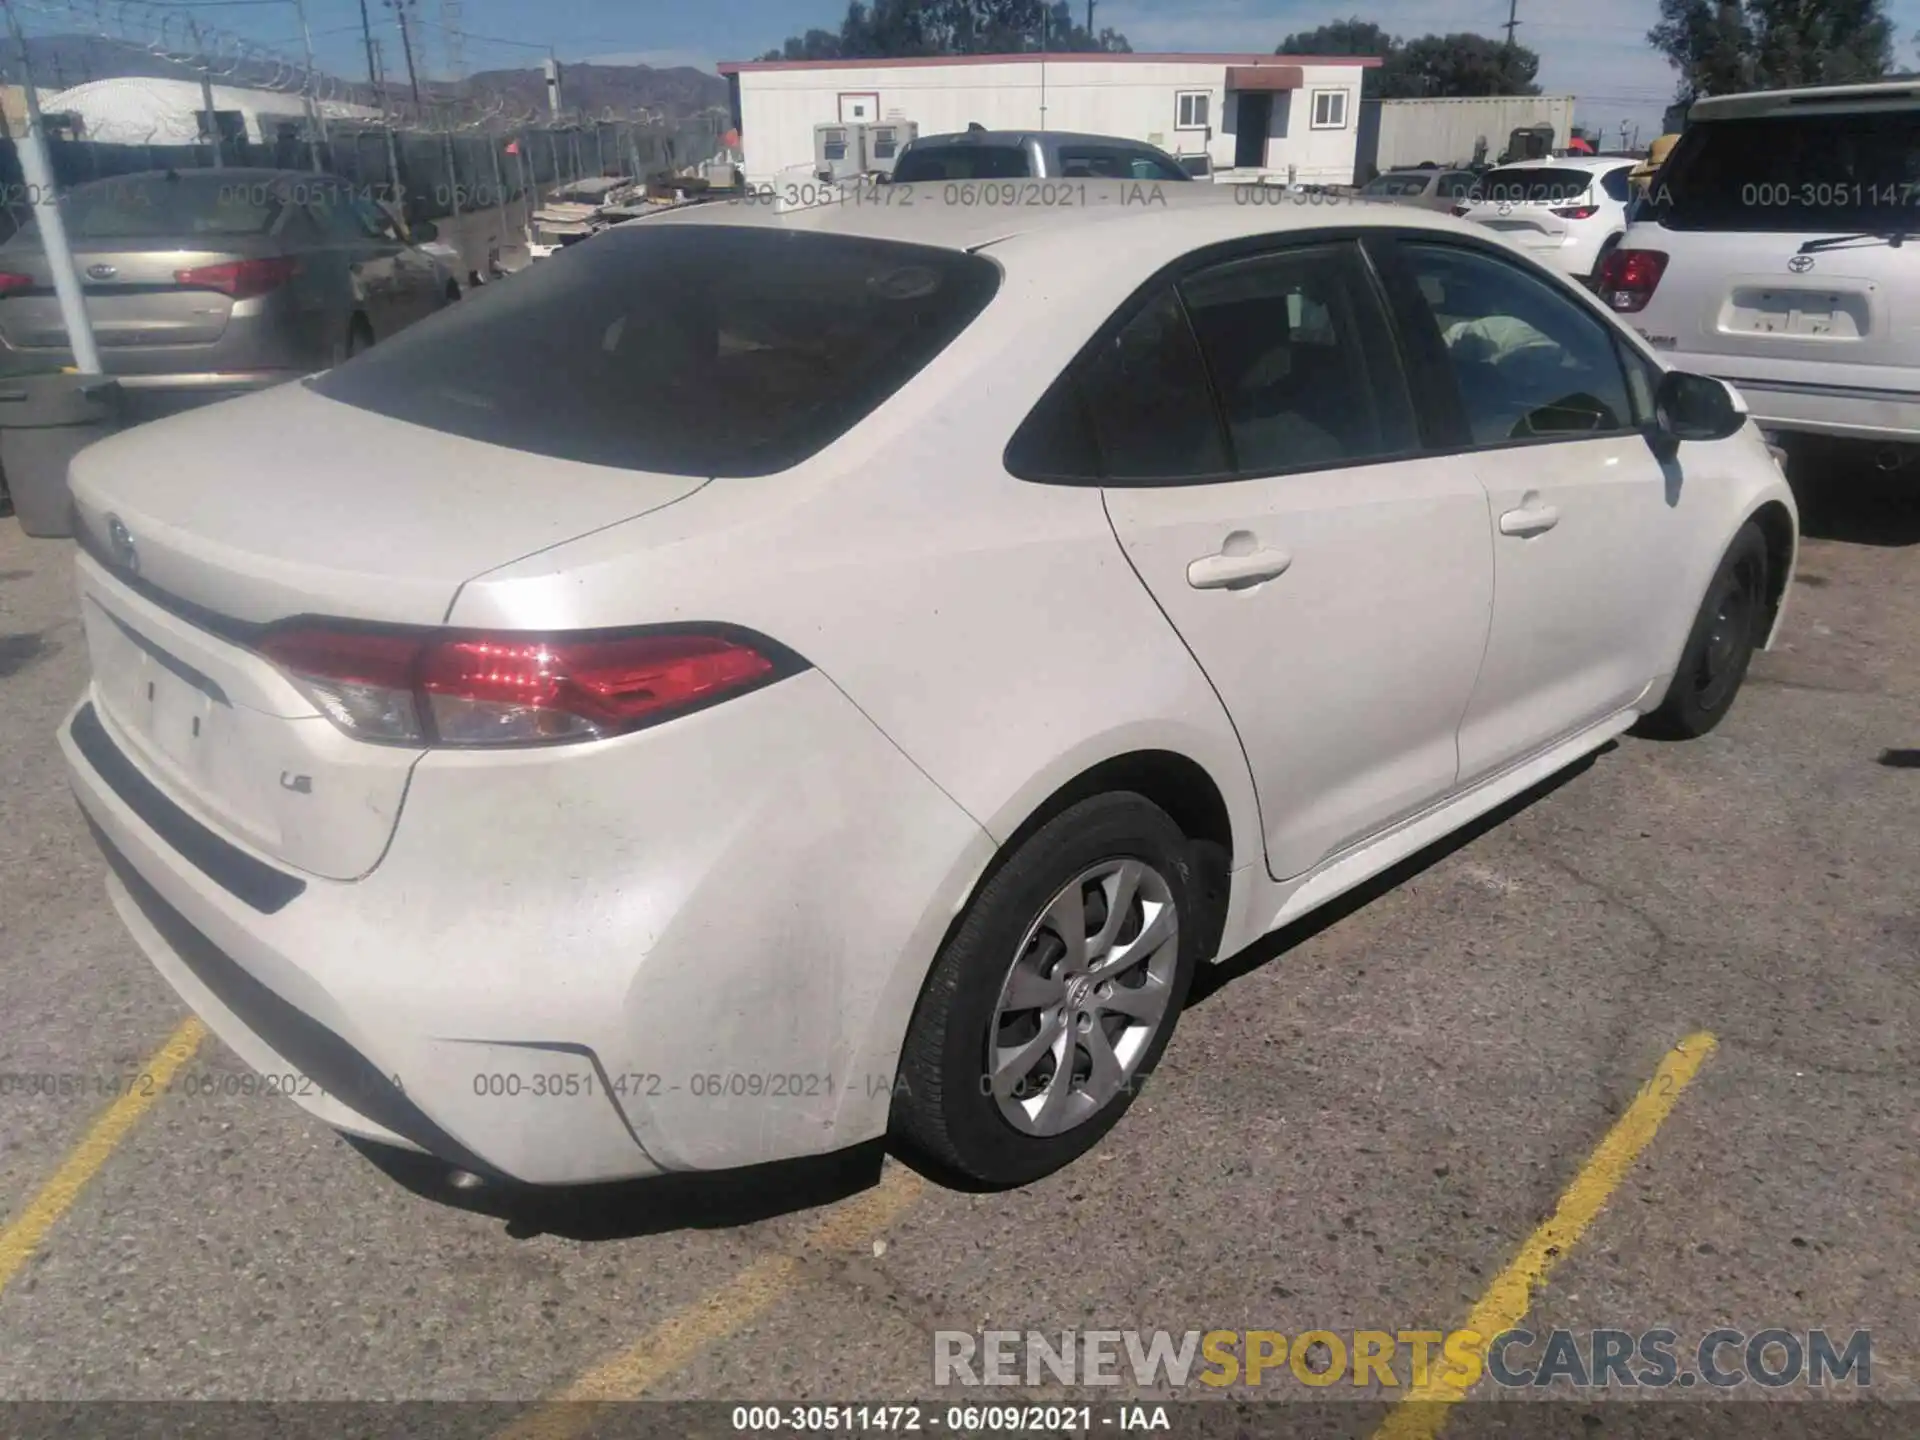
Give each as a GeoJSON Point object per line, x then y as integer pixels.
{"type": "Point", "coordinates": [886, 139]}
{"type": "Point", "coordinates": [840, 151]}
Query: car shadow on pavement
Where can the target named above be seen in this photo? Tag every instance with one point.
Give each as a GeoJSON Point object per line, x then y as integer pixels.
{"type": "Point", "coordinates": [1215, 978]}
{"type": "Point", "coordinates": [1843, 496]}
{"type": "Point", "coordinates": [627, 1210]}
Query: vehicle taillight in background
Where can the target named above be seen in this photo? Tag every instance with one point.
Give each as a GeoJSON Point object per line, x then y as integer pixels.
{"type": "Point", "coordinates": [12, 284]}
{"type": "Point", "coordinates": [241, 279]}
{"type": "Point", "coordinates": [1628, 278]}
{"type": "Point", "coordinates": [458, 688]}
{"type": "Point", "coordinates": [1576, 212]}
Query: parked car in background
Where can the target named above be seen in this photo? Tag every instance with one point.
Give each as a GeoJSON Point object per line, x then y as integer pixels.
{"type": "Point", "coordinates": [203, 284]}
{"type": "Point", "coordinates": [1569, 212]}
{"type": "Point", "coordinates": [1019, 154]}
{"type": "Point", "coordinates": [1266, 556]}
{"type": "Point", "coordinates": [1428, 189]}
{"type": "Point", "coordinates": [1778, 251]}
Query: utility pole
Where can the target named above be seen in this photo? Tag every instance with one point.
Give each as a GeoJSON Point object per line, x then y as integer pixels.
{"type": "Point", "coordinates": [36, 169]}
{"type": "Point", "coordinates": [316, 124]}
{"type": "Point", "coordinates": [373, 74]}
{"type": "Point", "coordinates": [1090, 5]}
{"type": "Point", "coordinates": [206, 93]}
{"type": "Point", "coordinates": [1513, 21]}
{"type": "Point", "coordinates": [399, 8]}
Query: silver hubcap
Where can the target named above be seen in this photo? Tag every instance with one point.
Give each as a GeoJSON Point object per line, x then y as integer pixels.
{"type": "Point", "coordinates": [1087, 992]}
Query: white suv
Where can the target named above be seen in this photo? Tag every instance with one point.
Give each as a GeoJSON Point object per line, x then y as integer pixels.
{"type": "Point", "coordinates": [1771, 251]}
{"type": "Point", "coordinates": [1568, 213]}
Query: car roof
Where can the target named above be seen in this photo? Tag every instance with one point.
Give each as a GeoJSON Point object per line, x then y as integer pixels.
{"type": "Point", "coordinates": [1889, 95]}
{"type": "Point", "coordinates": [1020, 137]}
{"type": "Point", "coordinates": [1156, 222]}
{"type": "Point", "coordinates": [1597, 163]}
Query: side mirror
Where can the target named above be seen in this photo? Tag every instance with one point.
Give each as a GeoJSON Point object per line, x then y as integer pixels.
{"type": "Point", "coordinates": [1697, 407]}
{"type": "Point", "coordinates": [425, 232]}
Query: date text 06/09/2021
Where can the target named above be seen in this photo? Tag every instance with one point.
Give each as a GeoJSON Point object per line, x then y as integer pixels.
{"type": "Point", "coordinates": [864, 1419]}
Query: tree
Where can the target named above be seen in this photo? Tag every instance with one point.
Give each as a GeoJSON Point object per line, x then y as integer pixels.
{"type": "Point", "coordinates": [1431, 65]}
{"type": "Point", "coordinates": [1459, 64]}
{"type": "Point", "coordinates": [889, 28]}
{"type": "Point", "coordinates": [1721, 47]}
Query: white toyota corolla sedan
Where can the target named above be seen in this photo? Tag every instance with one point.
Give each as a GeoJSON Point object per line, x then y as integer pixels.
{"type": "Point", "coordinates": [758, 682]}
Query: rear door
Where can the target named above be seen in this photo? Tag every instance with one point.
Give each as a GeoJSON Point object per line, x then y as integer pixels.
{"type": "Point", "coordinates": [1588, 551]}
{"type": "Point", "coordinates": [1264, 477]}
{"type": "Point", "coordinates": [1737, 205]}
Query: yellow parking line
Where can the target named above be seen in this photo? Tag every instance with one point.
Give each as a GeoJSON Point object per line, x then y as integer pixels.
{"type": "Point", "coordinates": [1423, 1411]}
{"type": "Point", "coordinates": [682, 1336]}
{"type": "Point", "coordinates": [23, 1235]}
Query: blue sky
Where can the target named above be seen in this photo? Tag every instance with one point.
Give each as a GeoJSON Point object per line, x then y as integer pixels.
{"type": "Point", "coordinates": [1591, 48]}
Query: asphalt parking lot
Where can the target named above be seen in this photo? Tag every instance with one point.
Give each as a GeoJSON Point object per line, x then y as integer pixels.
{"type": "Point", "coordinates": [1356, 1127]}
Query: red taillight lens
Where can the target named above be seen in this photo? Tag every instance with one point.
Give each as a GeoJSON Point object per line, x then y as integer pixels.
{"type": "Point", "coordinates": [403, 687]}
{"type": "Point", "coordinates": [1577, 212]}
{"type": "Point", "coordinates": [1628, 278]}
{"type": "Point", "coordinates": [11, 284]}
{"type": "Point", "coordinates": [242, 279]}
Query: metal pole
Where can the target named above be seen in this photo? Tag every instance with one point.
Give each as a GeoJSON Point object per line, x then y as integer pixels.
{"type": "Point", "coordinates": [36, 168]}
{"type": "Point", "coordinates": [316, 123]}
{"type": "Point", "coordinates": [373, 74]}
{"type": "Point", "coordinates": [206, 93]}
{"type": "Point", "coordinates": [406, 44]}
{"type": "Point", "coordinates": [453, 176]}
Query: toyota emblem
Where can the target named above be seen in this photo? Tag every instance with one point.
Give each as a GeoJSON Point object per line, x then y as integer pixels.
{"type": "Point", "coordinates": [1506, 207]}
{"type": "Point", "coordinates": [120, 543]}
{"type": "Point", "coordinates": [1800, 264]}
{"type": "Point", "coordinates": [103, 272]}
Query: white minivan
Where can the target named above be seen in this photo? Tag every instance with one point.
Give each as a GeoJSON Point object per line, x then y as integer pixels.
{"type": "Point", "coordinates": [1773, 250]}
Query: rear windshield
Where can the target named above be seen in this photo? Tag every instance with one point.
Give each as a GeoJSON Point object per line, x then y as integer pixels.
{"type": "Point", "coordinates": [1533, 185]}
{"type": "Point", "coordinates": [151, 207]}
{"type": "Point", "coordinates": [1397, 185]}
{"type": "Point", "coordinates": [687, 349]}
{"type": "Point", "coordinates": [961, 162]}
{"type": "Point", "coordinates": [1793, 172]}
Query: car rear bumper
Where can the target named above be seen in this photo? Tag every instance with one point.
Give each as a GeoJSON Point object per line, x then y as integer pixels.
{"type": "Point", "coordinates": [671, 951]}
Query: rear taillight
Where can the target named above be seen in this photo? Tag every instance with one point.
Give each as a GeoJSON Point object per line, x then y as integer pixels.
{"type": "Point", "coordinates": [1628, 278]}
{"type": "Point", "coordinates": [457, 688]}
{"type": "Point", "coordinates": [241, 279]}
{"type": "Point", "coordinates": [11, 284]}
{"type": "Point", "coordinates": [1576, 212]}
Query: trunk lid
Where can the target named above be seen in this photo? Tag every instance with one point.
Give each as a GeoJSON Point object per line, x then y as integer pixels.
{"type": "Point", "coordinates": [201, 528]}
{"type": "Point", "coordinates": [132, 300]}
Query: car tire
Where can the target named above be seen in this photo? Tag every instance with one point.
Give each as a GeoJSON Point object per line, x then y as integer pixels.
{"type": "Point", "coordinates": [1729, 627]}
{"type": "Point", "coordinates": [979, 1121]}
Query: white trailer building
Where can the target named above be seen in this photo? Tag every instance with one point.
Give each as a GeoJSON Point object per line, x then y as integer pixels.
{"type": "Point", "coordinates": [1253, 116]}
{"type": "Point", "coordinates": [139, 110]}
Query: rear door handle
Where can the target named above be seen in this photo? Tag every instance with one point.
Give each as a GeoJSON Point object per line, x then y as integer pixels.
{"type": "Point", "coordinates": [1534, 521]}
{"type": "Point", "coordinates": [1237, 572]}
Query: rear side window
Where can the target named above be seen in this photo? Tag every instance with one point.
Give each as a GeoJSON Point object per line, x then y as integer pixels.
{"type": "Point", "coordinates": [961, 162]}
{"type": "Point", "coordinates": [1107, 163]}
{"type": "Point", "coordinates": [687, 349]}
{"type": "Point", "coordinates": [1534, 185]}
{"type": "Point", "coordinates": [1302, 359]}
{"type": "Point", "coordinates": [1616, 184]}
{"type": "Point", "coordinates": [154, 207]}
{"type": "Point", "coordinates": [1146, 397]}
{"type": "Point", "coordinates": [1793, 173]}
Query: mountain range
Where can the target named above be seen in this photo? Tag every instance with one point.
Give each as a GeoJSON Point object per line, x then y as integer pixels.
{"type": "Point", "coordinates": [61, 61]}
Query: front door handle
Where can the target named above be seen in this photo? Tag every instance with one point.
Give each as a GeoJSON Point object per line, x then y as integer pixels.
{"type": "Point", "coordinates": [1536, 520]}
{"type": "Point", "coordinates": [1237, 572]}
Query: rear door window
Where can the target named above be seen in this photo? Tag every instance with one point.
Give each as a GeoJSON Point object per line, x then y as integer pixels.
{"type": "Point", "coordinates": [1146, 397]}
{"type": "Point", "coordinates": [1302, 358]}
{"type": "Point", "coordinates": [961, 162]}
{"type": "Point", "coordinates": [1801, 172]}
{"type": "Point", "coordinates": [1535, 185]}
{"type": "Point", "coordinates": [1113, 163]}
{"type": "Point", "coordinates": [684, 349]}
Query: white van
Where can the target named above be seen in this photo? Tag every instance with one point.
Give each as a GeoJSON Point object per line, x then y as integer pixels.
{"type": "Point", "coordinates": [1779, 248]}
